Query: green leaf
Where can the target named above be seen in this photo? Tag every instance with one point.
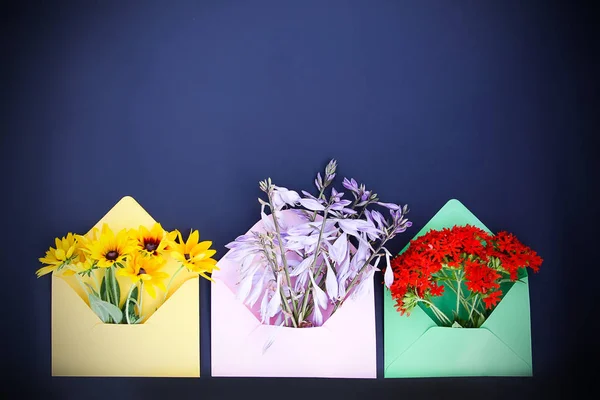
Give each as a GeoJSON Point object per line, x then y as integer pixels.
{"type": "Point", "coordinates": [105, 310]}
{"type": "Point", "coordinates": [132, 300]}
{"type": "Point", "coordinates": [118, 290]}
{"type": "Point", "coordinates": [456, 325]}
{"type": "Point", "coordinates": [103, 290]}
{"type": "Point", "coordinates": [112, 287]}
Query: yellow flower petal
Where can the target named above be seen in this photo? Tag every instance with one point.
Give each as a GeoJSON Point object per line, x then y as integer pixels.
{"type": "Point", "coordinates": [44, 270]}
{"type": "Point", "coordinates": [200, 247]}
{"type": "Point", "coordinates": [206, 276]}
{"type": "Point", "coordinates": [150, 289]}
{"type": "Point", "coordinates": [161, 286]}
{"type": "Point", "coordinates": [60, 254]}
{"type": "Point", "coordinates": [192, 240]}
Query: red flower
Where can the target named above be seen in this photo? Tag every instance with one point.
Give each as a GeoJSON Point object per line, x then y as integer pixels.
{"type": "Point", "coordinates": [436, 290]}
{"type": "Point", "coordinates": [492, 299]}
{"type": "Point", "coordinates": [480, 277]}
{"type": "Point", "coordinates": [484, 260]}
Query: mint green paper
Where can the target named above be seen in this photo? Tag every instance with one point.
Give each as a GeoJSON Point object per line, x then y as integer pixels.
{"type": "Point", "coordinates": [415, 346]}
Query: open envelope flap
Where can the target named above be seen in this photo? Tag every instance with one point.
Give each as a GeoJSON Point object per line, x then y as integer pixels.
{"type": "Point", "coordinates": [167, 345]}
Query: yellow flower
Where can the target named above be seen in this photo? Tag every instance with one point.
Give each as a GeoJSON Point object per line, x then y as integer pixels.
{"type": "Point", "coordinates": [81, 265]}
{"type": "Point", "coordinates": [146, 269]}
{"type": "Point", "coordinates": [153, 242]}
{"type": "Point", "coordinates": [194, 255]}
{"type": "Point", "coordinates": [110, 249]}
{"type": "Point", "coordinates": [66, 250]}
{"type": "Point", "coordinates": [88, 239]}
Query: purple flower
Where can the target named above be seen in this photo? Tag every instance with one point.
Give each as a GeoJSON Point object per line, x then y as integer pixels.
{"type": "Point", "coordinates": [339, 249]}
{"type": "Point", "coordinates": [282, 196]}
{"type": "Point", "coordinates": [359, 191]}
{"type": "Point", "coordinates": [318, 251]}
{"type": "Point", "coordinates": [354, 226]}
{"type": "Point", "coordinates": [351, 184]}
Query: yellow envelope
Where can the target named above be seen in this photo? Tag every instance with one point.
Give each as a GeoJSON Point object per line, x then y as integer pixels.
{"type": "Point", "coordinates": [165, 344]}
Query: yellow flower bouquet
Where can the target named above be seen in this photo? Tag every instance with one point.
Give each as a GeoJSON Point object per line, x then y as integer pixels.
{"type": "Point", "coordinates": [126, 271]}
{"type": "Point", "coordinates": [138, 254]}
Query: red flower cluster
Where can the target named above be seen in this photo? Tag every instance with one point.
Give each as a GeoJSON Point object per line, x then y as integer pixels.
{"type": "Point", "coordinates": [483, 260]}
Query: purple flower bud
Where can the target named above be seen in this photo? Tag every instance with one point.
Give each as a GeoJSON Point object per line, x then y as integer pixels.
{"type": "Point", "coordinates": [390, 206]}
{"type": "Point", "coordinates": [351, 185]}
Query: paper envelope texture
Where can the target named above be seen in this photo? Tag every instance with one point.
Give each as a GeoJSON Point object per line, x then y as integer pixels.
{"type": "Point", "coordinates": [166, 344]}
{"type": "Point", "coordinates": [414, 346]}
{"type": "Point", "coordinates": [343, 347]}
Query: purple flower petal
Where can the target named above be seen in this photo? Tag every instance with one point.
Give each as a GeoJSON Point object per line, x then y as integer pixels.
{"type": "Point", "coordinates": [339, 249]}
{"type": "Point", "coordinates": [331, 284]}
{"type": "Point", "coordinates": [390, 206]}
{"type": "Point", "coordinates": [388, 276]}
{"type": "Point", "coordinates": [311, 204]}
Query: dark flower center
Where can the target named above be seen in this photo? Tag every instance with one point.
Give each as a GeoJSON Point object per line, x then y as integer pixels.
{"type": "Point", "coordinates": [142, 271]}
{"type": "Point", "coordinates": [112, 255]}
{"type": "Point", "coordinates": [150, 246]}
{"type": "Point", "coordinates": [187, 256]}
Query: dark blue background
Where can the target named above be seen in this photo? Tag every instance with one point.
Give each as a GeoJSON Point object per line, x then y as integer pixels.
{"type": "Point", "coordinates": [187, 105]}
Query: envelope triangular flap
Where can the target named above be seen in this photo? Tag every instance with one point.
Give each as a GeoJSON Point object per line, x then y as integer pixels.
{"type": "Point", "coordinates": [126, 214]}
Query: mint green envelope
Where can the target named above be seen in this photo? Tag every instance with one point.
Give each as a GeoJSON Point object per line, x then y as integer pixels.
{"type": "Point", "coordinates": [415, 346]}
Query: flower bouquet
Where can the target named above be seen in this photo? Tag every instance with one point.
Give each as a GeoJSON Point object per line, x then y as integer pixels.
{"type": "Point", "coordinates": [120, 273]}
{"type": "Point", "coordinates": [456, 274]}
{"type": "Point", "coordinates": [298, 284]}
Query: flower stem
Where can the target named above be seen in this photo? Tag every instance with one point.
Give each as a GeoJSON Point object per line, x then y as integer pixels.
{"type": "Point", "coordinates": [171, 281]}
{"type": "Point", "coordinates": [127, 304]}
{"type": "Point", "coordinates": [283, 257]}
{"type": "Point", "coordinates": [473, 307]}
{"type": "Point", "coordinates": [458, 293]}
{"type": "Point", "coordinates": [441, 316]}
{"type": "Point", "coordinates": [287, 307]}
{"type": "Point", "coordinates": [314, 263]}
{"type": "Point", "coordinates": [141, 302]}
{"type": "Point", "coordinates": [320, 195]}
{"type": "Point", "coordinates": [462, 300]}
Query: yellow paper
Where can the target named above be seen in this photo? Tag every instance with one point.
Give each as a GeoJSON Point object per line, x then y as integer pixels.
{"type": "Point", "coordinates": [166, 344]}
